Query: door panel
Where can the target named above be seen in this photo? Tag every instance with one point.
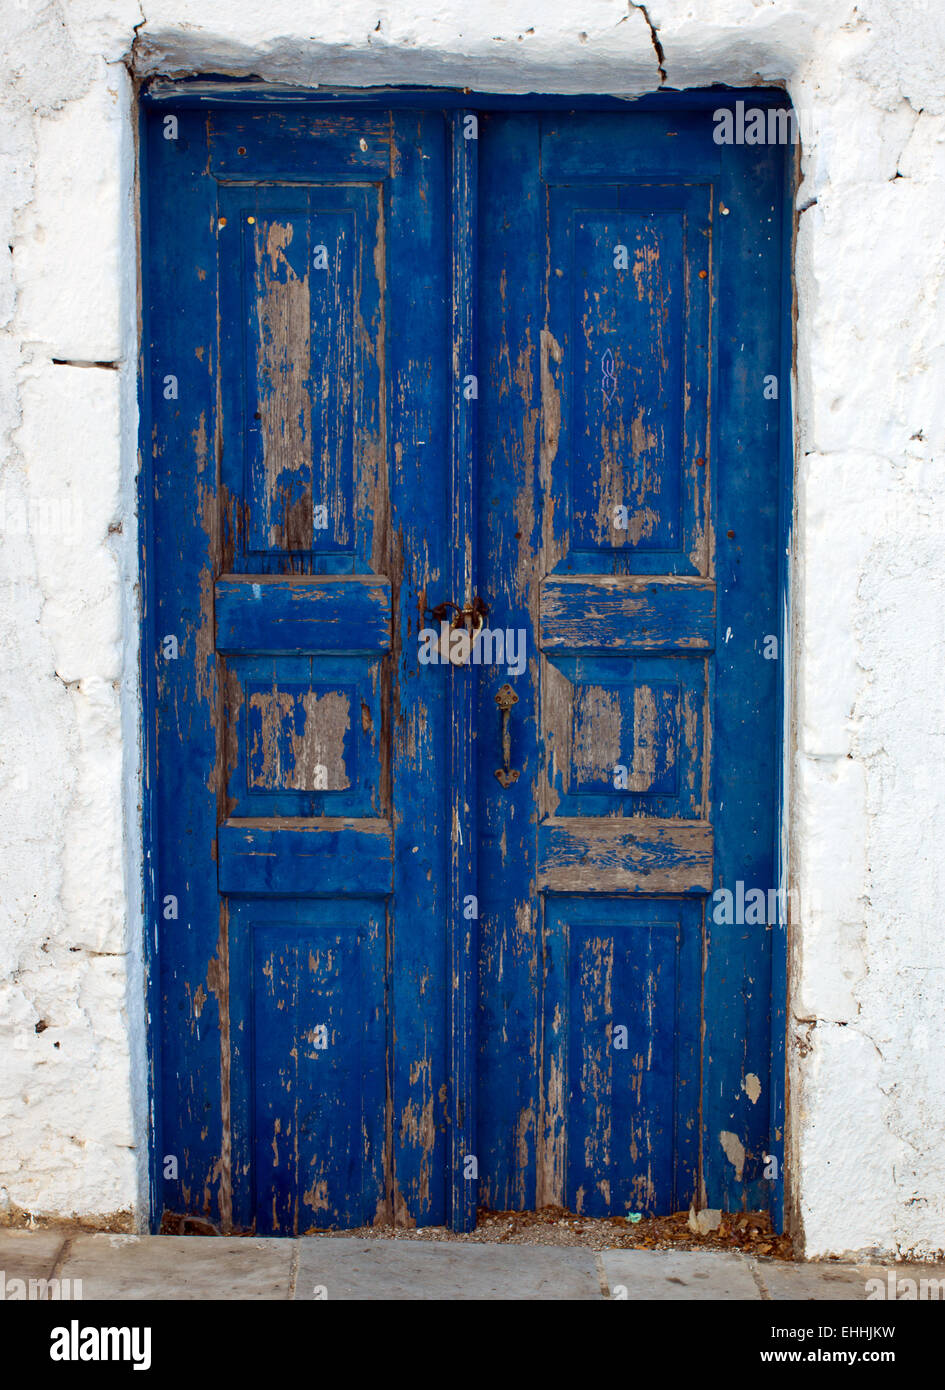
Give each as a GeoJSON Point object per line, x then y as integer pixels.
{"type": "Point", "coordinates": [622, 1134]}
{"type": "Point", "coordinates": [396, 358]}
{"type": "Point", "coordinates": [628, 367]}
{"type": "Point", "coordinates": [602, 272]}
{"type": "Point", "coordinates": [299, 746]}
{"type": "Point", "coordinates": [308, 1061]}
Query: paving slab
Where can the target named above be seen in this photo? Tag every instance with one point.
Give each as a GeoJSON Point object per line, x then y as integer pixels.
{"type": "Point", "coordinates": [27, 1255]}
{"type": "Point", "coordinates": [903, 1282]}
{"type": "Point", "coordinates": [684, 1275]}
{"type": "Point", "coordinates": [822, 1283]}
{"type": "Point", "coordinates": [180, 1267]}
{"type": "Point", "coordinates": [336, 1267]}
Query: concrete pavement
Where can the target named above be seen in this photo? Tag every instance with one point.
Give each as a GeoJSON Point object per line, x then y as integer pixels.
{"type": "Point", "coordinates": [116, 1267]}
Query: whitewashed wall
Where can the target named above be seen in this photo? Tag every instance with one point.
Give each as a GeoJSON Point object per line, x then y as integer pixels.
{"type": "Point", "coordinates": [866, 1145]}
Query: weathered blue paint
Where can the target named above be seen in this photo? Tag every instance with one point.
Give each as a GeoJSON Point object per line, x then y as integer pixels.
{"type": "Point", "coordinates": [290, 613]}
{"type": "Point", "coordinates": [750, 269]}
{"type": "Point", "coordinates": [629, 292]}
{"type": "Point", "coordinates": [335, 872]}
{"type": "Point", "coordinates": [191, 1102]}
{"type": "Point", "coordinates": [237, 92]}
{"type": "Point", "coordinates": [309, 1060]}
{"type": "Point", "coordinates": [779, 931]}
{"type": "Point", "coordinates": [328, 856]}
{"type": "Point", "coordinates": [300, 519]}
{"type": "Point", "coordinates": [625, 613]}
{"type": "Point", "coordinates": [630, 964]}
{"type": "Point", "coordinates": [463, 898]}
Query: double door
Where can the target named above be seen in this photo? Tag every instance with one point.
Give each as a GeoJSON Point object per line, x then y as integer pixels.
{"type": "Point", "coordinates": [462, 498]}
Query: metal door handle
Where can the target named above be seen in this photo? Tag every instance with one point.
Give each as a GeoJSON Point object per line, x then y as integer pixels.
{"type": "Point", "coordinates": [505, 699]}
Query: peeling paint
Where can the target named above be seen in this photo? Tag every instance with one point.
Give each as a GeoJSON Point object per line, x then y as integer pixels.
{"type": "Point", "coordinates": [734, 1151]}
{"type": "Point", "coordinates": [752, 1087]}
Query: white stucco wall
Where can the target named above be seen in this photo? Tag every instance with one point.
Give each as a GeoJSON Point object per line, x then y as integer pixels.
{"type": "Point", "coordinates": [865, 1162]}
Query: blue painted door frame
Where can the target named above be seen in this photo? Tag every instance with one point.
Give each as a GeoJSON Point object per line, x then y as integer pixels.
{"type": "Point", "coordinates": [407, 347]}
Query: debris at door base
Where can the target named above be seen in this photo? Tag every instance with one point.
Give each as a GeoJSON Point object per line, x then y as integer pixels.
{"type": "Point", "coordinates": [750, 1232]}
{"type": "Point", "coordinates": [704, 1221]}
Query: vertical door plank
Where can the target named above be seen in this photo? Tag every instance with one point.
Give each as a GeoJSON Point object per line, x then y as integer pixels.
{"type": "Point", "coordinates": [463, 903]}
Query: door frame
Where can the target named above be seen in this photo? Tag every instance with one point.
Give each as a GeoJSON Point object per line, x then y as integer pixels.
{"type": "Point", "coordinates": [205, 92]}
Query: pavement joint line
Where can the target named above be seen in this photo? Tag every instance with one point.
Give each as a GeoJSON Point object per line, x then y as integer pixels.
{"type": "Point", "coordinates": [759, 1280]}
{"type": "Point", "coordinates": [57, 1264]}
{"type": "Point", "coordinates": [294, 1270]}
{"type": "Point", "coordinates": [601, 1274]}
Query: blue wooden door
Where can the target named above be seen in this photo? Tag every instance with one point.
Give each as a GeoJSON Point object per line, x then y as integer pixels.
{"type": "Point", "coordinates": [430, 936]}
{"type": "Point", "coordinates": [630, 284]}
{"type": "Point", "coordinates": [297, 380]}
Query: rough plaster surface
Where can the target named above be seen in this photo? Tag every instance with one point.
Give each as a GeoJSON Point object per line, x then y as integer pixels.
{"type": "Point", "coordinates": [865, 1159]}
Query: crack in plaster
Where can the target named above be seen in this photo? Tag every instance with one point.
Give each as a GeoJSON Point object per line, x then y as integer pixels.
{"type": "Point", "coordinates": [655, 40]}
